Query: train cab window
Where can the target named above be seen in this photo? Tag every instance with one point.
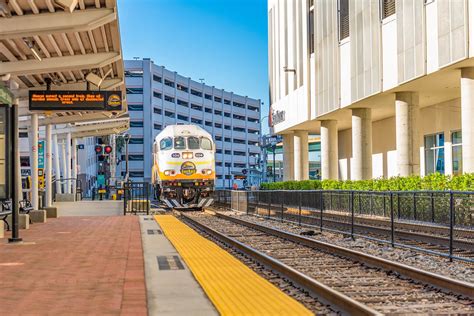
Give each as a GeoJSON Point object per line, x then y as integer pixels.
{"type": "Point", "coordinates": [193, 142]}
{"type": "Point", "coordinates": [166, 143]}
{"type": "Point", "coordinates": [179, 143]}
{"type": "Point", "coordinates": [206, 144]}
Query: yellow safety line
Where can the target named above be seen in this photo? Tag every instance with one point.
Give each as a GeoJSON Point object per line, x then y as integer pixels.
{"type": "Point", "coordinates": [233, 288]}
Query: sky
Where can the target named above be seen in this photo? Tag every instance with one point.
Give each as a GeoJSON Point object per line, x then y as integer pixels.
{"type": "Point", "coordinates": [222, 41]}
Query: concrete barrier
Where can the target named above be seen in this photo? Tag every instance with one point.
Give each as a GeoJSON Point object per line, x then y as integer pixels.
{"type": "Point", "coordinates": [38, 216]}
{"type": "Point", "coordinates": [51, 212]}
{"type": "Point", "coordinates": [23, 221]}
{"type": "Point", "coordinates": [66, 197]}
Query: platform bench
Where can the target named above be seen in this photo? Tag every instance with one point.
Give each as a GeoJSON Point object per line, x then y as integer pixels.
{"type": "Point", "coordinates": [6, 210]}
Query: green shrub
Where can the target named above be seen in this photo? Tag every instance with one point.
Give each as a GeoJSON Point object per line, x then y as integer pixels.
{"type": "Point", "coordinates": [435, 182]}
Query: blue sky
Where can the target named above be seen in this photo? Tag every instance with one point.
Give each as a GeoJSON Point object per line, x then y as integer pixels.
{"type": "Point", "coordinates": [222, 41]}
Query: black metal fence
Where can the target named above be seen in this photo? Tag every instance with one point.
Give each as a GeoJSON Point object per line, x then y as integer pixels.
{"type": "Point", "coordinates": [439, 222]}
{"type": "Point", "coordinates": [136, 198]}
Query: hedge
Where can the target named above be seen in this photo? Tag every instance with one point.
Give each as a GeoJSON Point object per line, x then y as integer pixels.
{"type": "Point", "coordinates": [435, 182]}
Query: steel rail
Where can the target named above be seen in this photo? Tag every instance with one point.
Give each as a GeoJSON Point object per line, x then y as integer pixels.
{"type": "Point", "coordinates": [439, 281]}
{"type": "Point", "coordinates": [318, 289]}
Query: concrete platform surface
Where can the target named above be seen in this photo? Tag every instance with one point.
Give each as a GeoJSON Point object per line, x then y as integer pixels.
{"type": "Point", "coordinates": [171, 288]}
{"type": "Point", "coordinates": [90, 208]}
{"type": "Point", "coordinates": [74, 266]}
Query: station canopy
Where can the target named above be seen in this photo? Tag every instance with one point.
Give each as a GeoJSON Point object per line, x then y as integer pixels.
{"type": "Point", "coordinates": [74, 45]}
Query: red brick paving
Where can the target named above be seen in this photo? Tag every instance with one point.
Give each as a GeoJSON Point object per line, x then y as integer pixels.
{"type": "Point", "coordinates": [77, 266]}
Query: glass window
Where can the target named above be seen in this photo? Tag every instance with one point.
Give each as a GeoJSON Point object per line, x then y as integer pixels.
{"type": "Point", "coordinates": [169, 83]}
{"type": "Point", "coordinates": [179, 143]}
{"type": "Point", "coordinates": [169, 99]}
{"type": "Point", "coordinates": [166, 143]}
{"type": "Point", "coordinates": [193, 142]}
{"type": "Point", "coordinates": [156, 78]}
{"type": "Point", "coordinates": [196, 93]}
{"type": "Point", "coordinates": [157, 95]}
{"type": "Point", "coordinates": [136, 123]}
{"type": "Point", "coordinates": [181, 87]}
{"type": "Point", "coordinates": [196, 107]}
{"type": "Point", "coordinates": [135, 107]}
{"type": "Point", "coordinates": [434, 153]}
{"type": "Point", "coordinates": [206, 143]}
{"type": "Point", "coordinates": [136, 140]}
{"type": "Point", "coordinates": [156, 126]}
{"type": "Point", "coordinates": [456, 139]}
{"type": "Point", "coordinates": [208, 96]}
{"type": "Point", "coordinates": [134, 90]}
{"type": "Point", "coordinates": [157, 110]}
{"type": "Point", "coordinates": [134, 73]}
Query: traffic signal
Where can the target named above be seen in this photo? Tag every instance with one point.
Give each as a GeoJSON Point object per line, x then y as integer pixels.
{"type": "Point", "coordinates": [98, 149]}
{"type": "Point", "coordinates": [107, 149]}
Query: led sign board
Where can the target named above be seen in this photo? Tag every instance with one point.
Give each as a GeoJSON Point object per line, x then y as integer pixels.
{"type": "Point", "coordinates": [75, 100]}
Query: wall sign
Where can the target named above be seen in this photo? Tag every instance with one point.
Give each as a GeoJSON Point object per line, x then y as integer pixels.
{"type": "Point", "coordinates": [75, 100]}
{"type": "Point", "coordinates": [278, 117]}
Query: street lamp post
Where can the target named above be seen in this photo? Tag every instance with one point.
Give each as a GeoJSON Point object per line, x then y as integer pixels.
{"type": "Point", "coordinates": [274, 166]}
{"type": "Point", "coordinates": [127, 140]}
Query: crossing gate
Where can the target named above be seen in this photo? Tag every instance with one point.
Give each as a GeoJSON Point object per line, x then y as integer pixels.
{"type": "Point", "coordinates": [136, 198]}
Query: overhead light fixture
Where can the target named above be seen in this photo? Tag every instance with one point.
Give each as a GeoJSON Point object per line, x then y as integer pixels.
{"type": "Point", "coordinates": [66, 5]}
{"type": "Point", "coordinates": [33, 48]}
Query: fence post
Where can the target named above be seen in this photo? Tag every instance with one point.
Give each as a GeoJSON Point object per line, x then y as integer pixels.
{"type": "Point", "coordinates": [451, 224]}
{"type": "Point", "coordinates": [247, 194]}
{"type": "Point", "coordinates": [352, 214]}
{"type": "Point", "coordinates": [398, 204]}
{"type": "Point", "coordinates": [258, 202]}
{"type": "Point", "coordinates": [360, 203]}
{"type": "Point", "coordinates": [384, 204]}
{"type": "Point", "coordinates": [269, 203]}
{"type": "Point", "coordinates": [370, 202]}
{"type": "Point", "coordinates": [414, 205]}
{"type": "Point", "coordinates": [321, 214]}
{"type": "Point", "coordinates": [432, 208]}
{"type": "Point", "coordinates": [392, 224]}
{"type": "Point", "coordinates": [299, 208]}
{"type": "Point", "coordinates": [282, 210]}
{"type": "Point", "coordinates": [330, 200]}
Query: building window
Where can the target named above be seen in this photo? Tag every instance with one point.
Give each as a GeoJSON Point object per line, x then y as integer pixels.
{"type": "Point", "coordinates": [239, 129]}
{"type": "Point", "coordinates": [239, 105]}
{"type": "Point", "coordinates": [227, 164]}
{"type": "Point", "coordinates": [227, 139]}
{"type": "Point", "coordinates": [218, 125]}
{"type": "Point", "coordinates": [196, 93]}
{"type": "Point", "coordinates": [217, 112]}
{"type": "Point", "coordinates": [219, 138]}
{"type": "Point", "coordinates": [219, 164]}
{"type": "Point", "coordinates": [208, 110]}
{"type": "Point", "coordinates": [157, 126]}
{"type": "Point", "coordinates": [183, 103]}
{"type": "Point", "coordinates": [253, 120]}
{"type": "Point", "coordinates": [388, 8]}
{"type": "Point", "coordinates": [311, 31]}
{"type": "Point", "coordinates": [156, 78]}
{"type": "Point", "coordinates": [239, 153]}
{"type": "Point", "coordinates": [24, 161]}
{"type": "Point", "coordinates": [136, 140]}
{"type": "Point", "coordinates": [136, 123]}
{"type": "Point", "coordinates": [169, 83]}
{"type": "Point", "coordinates": [169, 114]}
{"type": "Point", "coordinates": [218, 151]}
{"type": "Point", "coordinates": [134, 90]}
{"type": "Point", "coordinates": [196, 121]}
{"type": "Point", "coordinates": [180, 87]}
{"type": "Point", "coordinates": [157, 95]}
{"type": "Point", "coordinates": [208, 96]}
{"type": "Point", "coordinates": [182, 117]}
{"type": "Point", "coordinates": [196, 107]}
{"type": "Point", "coordinates": [135, 157]}
{"type": "Point", "coordinates": [208, 123]}
{"type": "Point", "coordinates": [133, 73]}
{"type": "Point", "coordinates": [157, 110]}
{"type": "Point", "coordinates": [227, 127]}
{"type": "Point", "coordinates": [135, 107]}
{"type": "Point", "coordinates": [343, 8]}
{"type": "Point", "coordinates": [434, 153]}
{"type": "Point", "coordinates": [136, 174]}
{"type": "Point", "coordinates": [238, 117]}
{"type": "Point", "coordinates": [252, 108]}
{"type": "Point", "coordinates": [456, 140]}
{"type": "Point", "coordinates": [226, 114]}
{"type": "Point", "coordinates": [239, 141]}
{"type": "Point", "coordinates": [226, 101]}
{"type": "Point", "coordinates": [23, 134]}
{"type": "Point", "coordinates": [169, 99]}
{"type": "Point", "coordinates": [227, 152]}
{"type": "Point", "coordinates": [239, 165]}
{"type": "Point", "coordinates": [253, 131]}
{"type": "Point", "coordinates": [217, 99]}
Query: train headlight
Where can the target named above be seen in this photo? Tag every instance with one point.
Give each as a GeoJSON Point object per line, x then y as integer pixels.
{"type": "Point", "coordinates": [187, 155]}
{"type": "Point", "coordinates": [169, 172]}
{"type": "Point", "coordinates": [206, 171]}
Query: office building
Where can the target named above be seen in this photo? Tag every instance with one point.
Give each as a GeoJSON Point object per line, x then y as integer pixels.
{"type": "Point", "coordinates": [158, 97]}
{"type": "Point", "coordinates": [389, 86]}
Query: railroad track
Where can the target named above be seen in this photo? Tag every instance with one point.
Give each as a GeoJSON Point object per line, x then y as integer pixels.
{"type": "Point", "coordinates": [463, 248]}
{"type": "Point", "coordinates": [349, 281]}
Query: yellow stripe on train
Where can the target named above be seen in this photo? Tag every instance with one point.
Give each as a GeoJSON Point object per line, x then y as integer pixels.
{"type": "Point", "coordinates": [180, 176]}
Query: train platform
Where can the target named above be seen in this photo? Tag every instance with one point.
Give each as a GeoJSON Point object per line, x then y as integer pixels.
{"type": "Point", "coordinates": [78, 265]}
{"type": "Point", "coordinates": [232, 287]}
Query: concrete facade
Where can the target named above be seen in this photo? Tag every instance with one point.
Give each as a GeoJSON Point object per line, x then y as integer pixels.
{"type": "Point", "coordinates": [158, 97]}
{"type": "Point", "coordinates": [389, 89]}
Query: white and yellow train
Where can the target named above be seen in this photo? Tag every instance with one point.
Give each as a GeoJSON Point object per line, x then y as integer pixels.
{"type": "Point", "coordinates": [184, 169]}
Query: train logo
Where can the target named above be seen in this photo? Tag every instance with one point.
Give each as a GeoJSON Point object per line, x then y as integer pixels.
{"type": "Point", "coordinates": [188, 168]}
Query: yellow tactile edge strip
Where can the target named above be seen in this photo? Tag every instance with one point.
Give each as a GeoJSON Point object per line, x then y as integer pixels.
{"type": "Point", "coordinates": [233, 288]}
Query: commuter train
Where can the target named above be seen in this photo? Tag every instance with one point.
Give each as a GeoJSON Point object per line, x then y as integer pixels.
{"type": "Point", "coordinates": [184, 169]}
